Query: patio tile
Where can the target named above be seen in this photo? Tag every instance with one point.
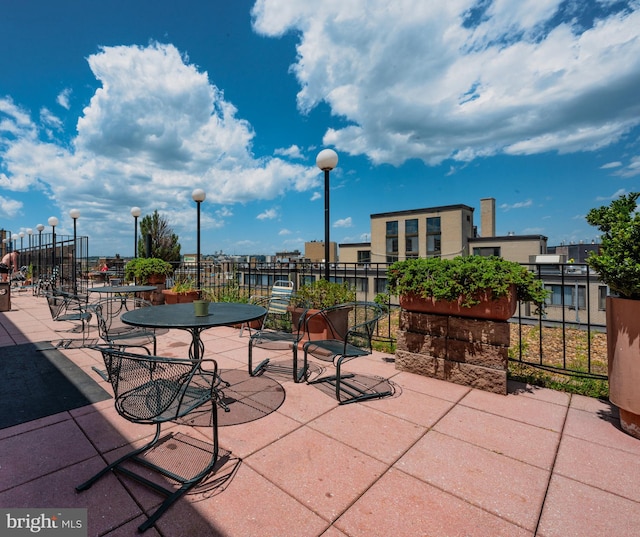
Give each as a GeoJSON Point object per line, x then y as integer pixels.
{"type": "Point", "coordinates": [250, 506]}
{"type": "Point", "coordinates": [304, 403]}
{"type": "Point", "coordinates": [108, 503]}
{"type": "Point", "coordinates": [379, 435]}
{"type": "Point", "coordinates": [514, 439]}
{"type": "Point", "coordinates": [573, 509]}
{"type": "Point", "coordinates": [49, 449]}
{"type": "Point", "coordinates": [601, 428]}
{"type": "Point", "coordinates": [430, 386]}
{"type": "Point", "coordinates": [527, 409]}
{"type": "Point", "coordinates": [503, 486]}
{"type": "Point", "coordinates": [412, 406]}
{"type": "Point", "coordinates": [323, 474]}
{"type": "Point", "coordinates": [247, 438]}
{"type": "Point", "coordinates": [593, 464]}
{"type": "Point", "coordinates": [401, 505]}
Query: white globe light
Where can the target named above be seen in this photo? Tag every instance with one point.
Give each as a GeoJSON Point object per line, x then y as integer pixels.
{"type": "Point", "coordinates": [74, 213]}
{"type": "Point", "coordinates": [327, 159]}
{"type": "Point", "coordinates": [136, 211]}
{"type": "Point", "coordinates": [198, 195]}
{"type": "Point", "coordinates": [53, 221]}
{"type": "Point", "coordinates": [40, 227]}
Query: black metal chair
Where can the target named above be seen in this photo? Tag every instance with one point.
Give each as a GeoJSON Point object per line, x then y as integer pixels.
{"type": "Point", "coordinates": [156, 390]}
{"type": "Point", "coordinates": [117, 334]}
{"type": "Point", "coordinates": [278, 332]}
{"type": "Point", "coordinates": [65, 308]}
{"type": "Point", "coordinates": [350, 329]}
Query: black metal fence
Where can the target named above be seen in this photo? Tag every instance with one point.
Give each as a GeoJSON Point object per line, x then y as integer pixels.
{"type": "Point", "coordinates": [569, 338]}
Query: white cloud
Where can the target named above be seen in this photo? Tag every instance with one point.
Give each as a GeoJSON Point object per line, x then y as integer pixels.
{"type": "Point", "coordinates": [63, 98]}
{"type": "Point", "coordinates": [518, 205]}
{"type": "Point", "coordinates": [155, 129]}
{"type": "Point", "coordinates": [344, 222]}
{"type": "Point", "coordinates": [610, 165]}
{"type": "Point", "coordinates": [283, 232]}
{"type": "Point", "coordinates": [316, 196]}
{"type": "Point", "coordinates": [631, 170]}
{"type": "Point", "coordinates": [9, 207]}
{"type": "Point", "coordinates": [269, 214]}
{"type": "Point", "coordinates": [615, 195]}
{"type": "Point", "coordinates": [293, 152]}
{"type": "Point", "coordinates": [438, 80]}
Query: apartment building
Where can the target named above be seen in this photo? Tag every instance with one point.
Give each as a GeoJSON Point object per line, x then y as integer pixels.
{"type": "Point", "coordinates": [445, 231]}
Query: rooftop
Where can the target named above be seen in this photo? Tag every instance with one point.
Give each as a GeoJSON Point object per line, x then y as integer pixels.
{"type": "Point", "coordinates": [435, 459]}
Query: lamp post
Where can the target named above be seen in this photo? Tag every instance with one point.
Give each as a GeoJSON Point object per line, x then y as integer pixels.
{"type": "Point", "coordinates": [53, 222]}
{"type": "Point", "coordinates": [135, 212]}
{"type": "Point", "coordinates": [198, 196]}
{"type": "Point", "coordinates": [29, 233]}
{"type": "Point", "coordinates": [75, 214]}
{"type": "Point", "coordinates": [40, 228]}
{"type": "Point", "coordinates": [326, 160]}
{"type": "Point", "coordinates": [21, 235]}
{"type": "Point", "coordinates": [14, 238]}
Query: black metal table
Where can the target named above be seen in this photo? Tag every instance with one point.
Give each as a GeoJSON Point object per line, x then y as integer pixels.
{"type": "Point", "coordinates": [116, 289]}
{"type": "Point", "coordinates": [183, 317]}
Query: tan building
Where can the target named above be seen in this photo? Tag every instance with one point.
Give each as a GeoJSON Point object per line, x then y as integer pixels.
{"type": "Point", "coordinates": [446, 231]}
{"type": "Point", "coordinates": [314, 251]}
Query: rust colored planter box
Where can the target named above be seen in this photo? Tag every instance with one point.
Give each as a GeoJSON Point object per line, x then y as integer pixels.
{"type": "Point", "coordinates": [318, 328]}
{"type": "Point", "coordinates": [171, 297]}
{"type": "Point", "coordinates": [501, 309]}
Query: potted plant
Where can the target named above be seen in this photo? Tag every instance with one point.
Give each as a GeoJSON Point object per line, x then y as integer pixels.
{"type": "Point", "coordinates": [147, 270]}
{"type": "Point", "coordinates": [182, 291]}
{"type": "Point", "coordinates": [469, 286]}
{"type": "Point", "coordinates": [618, 264]}
{"type": "Point", "coordinates": [318, 295]}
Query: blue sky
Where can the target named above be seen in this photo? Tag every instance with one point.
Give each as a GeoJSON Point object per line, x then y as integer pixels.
{"type": "Point", "coordinates": [109, 105]}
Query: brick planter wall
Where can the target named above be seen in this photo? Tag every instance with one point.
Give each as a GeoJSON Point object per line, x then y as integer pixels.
{"type": "Point", "coordinates": [471, 352]}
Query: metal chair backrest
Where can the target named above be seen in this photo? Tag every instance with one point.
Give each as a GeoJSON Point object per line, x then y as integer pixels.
{"type": "Point", "coordinates": [151, 389]}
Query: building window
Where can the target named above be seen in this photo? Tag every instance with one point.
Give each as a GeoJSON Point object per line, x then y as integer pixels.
{"type": "Point", "coordinates": [362, 285]}
{"type": "Point", "coordinates": [434, 237]}
{"type": "Point", "coordinates": [487, 251]}
{"type": "Point", "coordinates": [364, 257]}
{"type": "Point", "coordinates": [602, 297]}
{"type": "Point", "coordinates": [380, 285]}
{"type": "Point", "coordinates": [573, 294]}
{"type": "Point", "coordinates": [392, 241]}
{"type": "Point", "coordinates": [411, 237]}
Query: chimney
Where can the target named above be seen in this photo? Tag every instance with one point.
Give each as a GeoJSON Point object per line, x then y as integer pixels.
{"type": "Point", "coordinates": [488, 217]}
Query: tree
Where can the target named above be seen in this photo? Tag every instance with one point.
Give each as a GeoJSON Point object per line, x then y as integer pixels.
{"type": "Point", "coordinates": [164, 242]}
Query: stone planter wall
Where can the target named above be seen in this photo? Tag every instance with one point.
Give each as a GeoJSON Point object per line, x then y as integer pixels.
{"type": "Point", "coordinates": [466, 351]}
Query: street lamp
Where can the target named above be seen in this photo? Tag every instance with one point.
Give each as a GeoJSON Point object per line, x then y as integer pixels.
{"type": "Point", "coordinates": [75, 214]}
{"type": "Point", "coordinates": [21, 235]}
{"type": "Point", "coordinates": [198, 196]}
{"type": "Point", "coordinates": [53, 222]}
{"type": "Point", "coordinates": [326, 160]}
{"type": "Point", "coordinates": [40, 228]}
{"type": "Point", "coordinates": [30, 232]}
{"type": "Point", "coordinates": [14, 238]}
{"type": "Point", "coordinates": [135, 212]}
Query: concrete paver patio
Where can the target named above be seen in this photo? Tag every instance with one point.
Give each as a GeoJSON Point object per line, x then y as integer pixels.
{"type": "Point", "coordinates": [436, 459]}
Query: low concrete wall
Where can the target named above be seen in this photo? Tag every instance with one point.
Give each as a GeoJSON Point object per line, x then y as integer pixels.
{"type": "Point", "coordinates": [466, 351]}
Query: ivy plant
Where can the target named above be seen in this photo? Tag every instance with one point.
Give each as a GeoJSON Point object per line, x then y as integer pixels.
{"type": "Point", "coordinates": [465, 278]}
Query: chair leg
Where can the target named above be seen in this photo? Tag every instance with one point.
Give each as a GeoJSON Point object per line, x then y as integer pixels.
{"type": "Point", "coordinates": [253, 371]}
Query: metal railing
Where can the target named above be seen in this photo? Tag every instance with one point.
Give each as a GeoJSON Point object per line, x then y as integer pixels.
{"type": "Point", "coordinates": [568, 339]}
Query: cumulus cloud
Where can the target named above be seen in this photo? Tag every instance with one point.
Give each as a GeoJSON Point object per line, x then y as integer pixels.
{"type": "Point", "coordinates": [269, 214]}
{"type": "Point", "coordinates": [156, 128]}
{"type": "Point", "coordinates": [292, 152]}
{"type": "Point", "coordinates": [343, 222]}
{"type": "Point", "coordinates": [467, 78]}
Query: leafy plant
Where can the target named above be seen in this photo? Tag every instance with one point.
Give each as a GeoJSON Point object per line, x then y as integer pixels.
{"type": "Point", "coordinates": [321, 294]}
{"type": "Point", "coordinates": [164, 242]}
{"type": "Point", "coordinates": [230, 292]}
{"type": "Point", "coordinates": [141, 268]}
{"type": "Point", "coordinates": [618, 261]}
{"type": "Point", "coordinates": [467, 278]}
